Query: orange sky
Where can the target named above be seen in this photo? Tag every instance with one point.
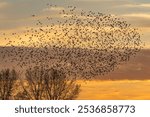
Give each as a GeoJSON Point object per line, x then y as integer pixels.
{"type": "Point", "coordinates": [130, 81]}
{"type": "Point", "coordinates": [115, 90]}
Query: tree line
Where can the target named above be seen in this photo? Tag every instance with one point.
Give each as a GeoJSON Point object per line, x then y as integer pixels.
{"type": "Point", "coordinates": [39, 84]}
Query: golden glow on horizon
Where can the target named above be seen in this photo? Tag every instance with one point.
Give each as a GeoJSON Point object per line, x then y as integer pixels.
{"type": "Point", "coordinates": [115, 90]}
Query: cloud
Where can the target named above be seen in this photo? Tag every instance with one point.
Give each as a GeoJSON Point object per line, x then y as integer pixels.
{"type": "Point", "coordinates": [54, 9]}
{"type": "Point", "coordinates": [138, 15]}
{"type": "Point", "coordinates": [136, 69]}
{"type": "Point", "coordinates": [137, 5]}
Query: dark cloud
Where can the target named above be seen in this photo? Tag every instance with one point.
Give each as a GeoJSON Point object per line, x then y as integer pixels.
{"type": "Point", "coordinates": [138, 68]}
{"type": "Point", "coordinates": [22, 9]}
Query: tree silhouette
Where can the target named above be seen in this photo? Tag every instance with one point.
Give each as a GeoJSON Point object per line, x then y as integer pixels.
{"type": "Point", "coordinates": [50, 84]}
{"type": "Point", "coordinates": [58, 86]}
{"type": "Point", "coordinates": [7, 81]}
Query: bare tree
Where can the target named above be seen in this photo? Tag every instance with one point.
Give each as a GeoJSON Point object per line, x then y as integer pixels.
{"type": "Point", "coordinates": [33, 85]}
{"type": "Point", "coordinates": [58, 86]}
{"type": "Point", "coordinates": [51, 84]}
{"type": "Point", "coordinates": [7, 81]}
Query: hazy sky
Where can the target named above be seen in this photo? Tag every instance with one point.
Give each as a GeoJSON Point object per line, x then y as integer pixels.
{"type": "Point", "coordinates": [16, 14]}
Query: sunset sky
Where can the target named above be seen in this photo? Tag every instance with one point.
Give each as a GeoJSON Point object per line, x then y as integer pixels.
{"type": "Point", "coordinates": [16, 14]}
{"type": "Point", "coordinates": [131, 79]}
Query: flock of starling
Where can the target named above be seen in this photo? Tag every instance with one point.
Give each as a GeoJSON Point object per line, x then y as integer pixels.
{"type": "Point", "coordinates": [82, 44]}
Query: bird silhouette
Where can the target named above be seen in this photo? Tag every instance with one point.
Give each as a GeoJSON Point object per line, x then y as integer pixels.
{"type": "Point", "coordinates": [82, 44]}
